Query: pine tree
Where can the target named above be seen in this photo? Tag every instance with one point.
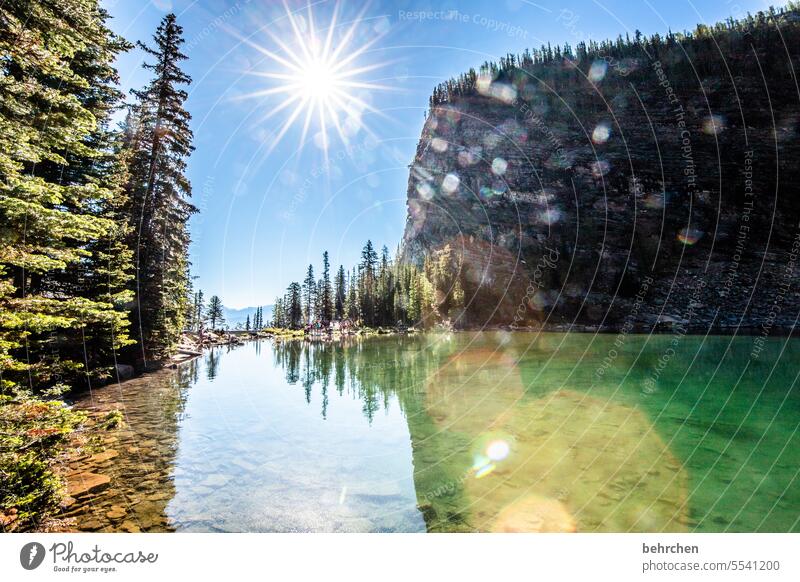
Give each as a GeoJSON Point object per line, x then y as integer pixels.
{"type": "Point", "coordinates": [369, 261]}
{"type": "Point", "coordinates": [340, 293]}
{"type": "Point", "coordinates": [326, 291]}
{"type": "Point", "coordinates": [61, 264]}
{"type": "Point", "coordinates": [216, 312]}
{"type": "Point", "coordinates": [199, 309]}
{"type": "Point", "coordinates": [385, 290]}
{"type": "Point", "coordinates": [247, 323]}
{"type": "Point", "coordinates": [278, 318]}
{"type": "Point", "coordinates": [309, 295]}
{"type": "Point", "coordinates": [294, 308]}
{"type": "Point", "coordinates": [59, 191]}
{"type": "Point", "coordinates": [160, 142]}
{"type": "Point", "coordinates": [352, 305]}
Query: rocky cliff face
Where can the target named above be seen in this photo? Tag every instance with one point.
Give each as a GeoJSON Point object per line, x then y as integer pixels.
{"type": "Point", "coordinates": [658, 190]}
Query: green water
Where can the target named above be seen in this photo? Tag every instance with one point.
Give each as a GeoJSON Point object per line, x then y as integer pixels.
{"type": "Point", "coordinates": [489, 431]}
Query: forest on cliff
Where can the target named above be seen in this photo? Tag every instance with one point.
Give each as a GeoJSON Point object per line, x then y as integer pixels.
{"type": "Point", "coordinates": [583, 181]}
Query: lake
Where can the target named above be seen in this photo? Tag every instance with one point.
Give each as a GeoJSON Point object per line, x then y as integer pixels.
{"type": "Point", "coordinates": [470, 431]}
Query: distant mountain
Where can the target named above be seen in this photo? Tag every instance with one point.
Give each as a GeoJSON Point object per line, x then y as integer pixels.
{"type": "Point", "coordinates": [233, 317]}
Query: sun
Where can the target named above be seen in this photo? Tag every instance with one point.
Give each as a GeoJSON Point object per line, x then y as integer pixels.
{"type": "Point", "coordinates": [314, 78]}
{"type": "Point", "coordinates": [318, 82]}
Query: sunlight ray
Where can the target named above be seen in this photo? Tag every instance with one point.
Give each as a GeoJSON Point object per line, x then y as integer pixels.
{"type": "Point", "coordinates": [316, 78]}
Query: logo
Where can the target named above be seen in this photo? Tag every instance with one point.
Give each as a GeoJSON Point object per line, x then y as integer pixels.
{"type": "Point", "coordinates": [31, 555]}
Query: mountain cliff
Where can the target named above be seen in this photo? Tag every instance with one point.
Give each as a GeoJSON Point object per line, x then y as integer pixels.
{"type": "Point", "coordinates": [632, 184]}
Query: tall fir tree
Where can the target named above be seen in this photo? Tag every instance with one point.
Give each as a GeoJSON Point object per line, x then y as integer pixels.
{"type": "Point", "coordinates": [293, 306]}
{"type": "Point", "coordinates": [278, 318]}
{"type": "Point", "coordinates": [63, 268]}
{"type": "Point", "coordinates": [369, 262]}
{"type": "Point", "coordinates": [340, 283]}
{"type": "Point", "coordinates": [160, 142]}
{"type": "Point", "coordinates": [216, 312]}
{"type": "Point", "coordinates": [326, 291]}
{"type": "Point", "coordinates": [199, 310]}
{"type": "Point", "coordinates": [309, 295]}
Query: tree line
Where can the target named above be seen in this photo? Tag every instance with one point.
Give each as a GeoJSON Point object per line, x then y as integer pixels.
{"type": "Point", "coordinates": [93, 223]}
{"type": "Point", "coordinates": [93, 248]}
{"type": "Point", "coordinates": [544, 63]}
{"type": "Point", "coordinates": [379, 291]}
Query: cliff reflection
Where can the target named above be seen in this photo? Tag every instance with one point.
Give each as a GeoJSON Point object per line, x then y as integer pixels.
{"type": "Point", "coordinates": [490, 431]}
{"type": "Point", "coordinates": [491, 456]}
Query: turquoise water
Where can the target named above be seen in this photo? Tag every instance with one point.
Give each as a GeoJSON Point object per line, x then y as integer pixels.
{"type": "Point", "coordinates": [490, 431]}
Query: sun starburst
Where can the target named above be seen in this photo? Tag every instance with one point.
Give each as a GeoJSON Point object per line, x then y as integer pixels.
{"type": "Point", "coordinates": [315, 77]}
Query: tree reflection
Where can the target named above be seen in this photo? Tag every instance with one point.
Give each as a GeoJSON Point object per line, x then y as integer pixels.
{"type": "Point", "coordinates": [212, 364]}
{"type": "Point", "coordinates": [490, 451]}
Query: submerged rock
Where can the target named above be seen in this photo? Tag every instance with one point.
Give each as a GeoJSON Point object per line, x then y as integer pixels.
{"type": "Point", "coordinates": [82, 483]}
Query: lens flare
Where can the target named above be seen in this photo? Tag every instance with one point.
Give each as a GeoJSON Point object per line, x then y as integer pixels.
{"type": "Point", "coordinates": [597, 72]}
{"type": "Point", "coordinates": [498, 450]}
{"type": "Point", "coordinates": [439, 145]}
{"type": "Point", "coordinates": [690, 236]}
{"type": "Point", "coordinates": [499, 166]}
{"type": "Point", "coordinates": [450, 183]}
{"type": "Point", "coordinates": [601, 133]}
{"type": "Point", "coordinates": [316, 74]}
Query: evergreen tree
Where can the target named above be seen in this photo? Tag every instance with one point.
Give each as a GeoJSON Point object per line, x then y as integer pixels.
{"type": "Point", "coordinates": [278, 318]}
{"type": "Point", "coordinates": [200, 309]}
{"type": "Point", "coordinates": [352, 304]}
{"type": "Point", "coordinates": [62, 267]}
{"type": "Point", "coordinates": [59, 193]}
{"type": "Point", "coordinates": [294, 308]}
{"type": "Point", "coordinates": [369, 261]}
{"type": "Point", "coordinates": [326, 291]}
{"type": "Point", "coordinates": [216, 313]}
{"type": "Point", "coordinates": [160, 142]}
{"type": "Point", "coordinates": [309, 295]}
{"type": "Point", "coordinates": [247, 323]}
{"type": "Point", "coordinates": [385, 290]}
{"type": "Point", "coordinates": [340, 293]}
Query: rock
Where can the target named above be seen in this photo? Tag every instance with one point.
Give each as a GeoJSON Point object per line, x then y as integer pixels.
{"type": "Point", "coordinates": [116, 512]}
{"type": "Point", "coordinates": [6, 519]}
{"type": "Point", "coordinates": [83, 483]}
{"type": "Point", "coordinates": [494, 184]}
{"type": "Point", "coordinates": [92, 524]}
{"type": "Point", "coordinates": [104, 456]}
{"type": "Point", "coordinates": [130, 527]}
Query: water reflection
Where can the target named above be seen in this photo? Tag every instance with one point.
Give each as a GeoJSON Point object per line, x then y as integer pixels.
{"type": "Point", "coordinates": [139, 457]}
{"type": "Point", "coordinates": [462, 432]}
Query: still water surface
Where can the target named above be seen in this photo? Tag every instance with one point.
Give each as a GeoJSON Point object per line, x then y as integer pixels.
{"type": "Point", "coordinates": [489, 431]}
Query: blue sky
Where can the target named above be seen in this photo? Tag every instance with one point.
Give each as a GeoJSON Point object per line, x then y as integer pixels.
{"type": "Point", "coordinates": [269, 208]}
